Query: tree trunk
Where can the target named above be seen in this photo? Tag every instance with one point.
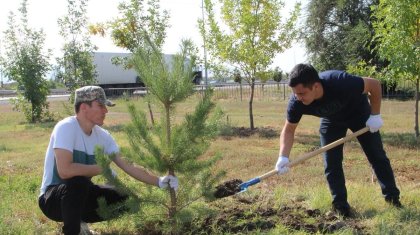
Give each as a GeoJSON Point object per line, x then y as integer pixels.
{"type": "Point", "coordinates": [240, 88]}
{"type": "Point", "coordinates": [151, 113]}
{"type": "Point", "coordinates": [172, 207]}
{"type": "Point", "coordinates": [251, 99]}
{"type": "Point", "coordinates": [284, 92]}
{"type": "Point", "coordinates": [32, 113]}
{"type": "Point", "coordinates": [416, 112]}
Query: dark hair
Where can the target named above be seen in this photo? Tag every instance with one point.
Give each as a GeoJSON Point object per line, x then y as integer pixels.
{"type": "Point", "coordinates": [304, 74]}
{"type": "Point", "coordinates": [77, 105]}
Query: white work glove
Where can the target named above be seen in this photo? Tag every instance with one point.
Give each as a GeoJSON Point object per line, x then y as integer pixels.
{"type": "Point", "coordinates": [281, 165]}
{"type": "Point", "coordinates": [168, 180]}
{"type": "Point", "coordinates": [374, 123]}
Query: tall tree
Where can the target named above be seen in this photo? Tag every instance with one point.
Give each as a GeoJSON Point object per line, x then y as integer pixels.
{"type": "Point", "coordinates": [397, 27]}
{"type": "Point", "coordinates": [26, 62]}
{"type": "Point", "coordinates": [76, 68]}
{"type": "Point", "coordinates": [169, 147]}
{"type": "Point", "coordinates": [138, 19]}
{"type": "Point", "coordinates": [277, 75]}
{"type": "Point", "coordinates": [338, 33]}
{"type": "Point", "coordinates": [254, 34]}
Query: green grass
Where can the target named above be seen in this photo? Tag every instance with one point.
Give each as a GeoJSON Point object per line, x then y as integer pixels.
{"type": "Point", "coordinates": [22, 149]}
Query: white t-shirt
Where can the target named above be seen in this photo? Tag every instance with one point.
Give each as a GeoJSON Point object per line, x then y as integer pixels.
{"type": "Point", "coordinates": [68, 135]}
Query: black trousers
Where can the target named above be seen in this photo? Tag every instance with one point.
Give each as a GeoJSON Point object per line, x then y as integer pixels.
{"type": "Point", "coordinates": [76, 200]}
{"type": "Point", "coordinates": [372, 146]}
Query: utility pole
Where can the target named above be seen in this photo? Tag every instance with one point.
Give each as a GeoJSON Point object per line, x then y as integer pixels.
{"type": "Point", "coordinates": [1, 79]}
{"type": "Point", "coordinates": [1, 71]}
{"type": "Point", "coordinates": [204, 45]}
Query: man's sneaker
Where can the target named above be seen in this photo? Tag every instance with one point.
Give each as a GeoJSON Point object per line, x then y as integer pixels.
{"type": "Point", "coordinates": [343, 210]}
{"type": "Point", "coordinates": [395, 202]}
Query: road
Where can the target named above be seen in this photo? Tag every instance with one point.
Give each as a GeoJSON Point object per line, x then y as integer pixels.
{"type": "Point", "coordinates": [6, 100]}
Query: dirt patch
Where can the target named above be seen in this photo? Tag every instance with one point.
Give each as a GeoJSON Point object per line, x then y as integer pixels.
{"type": "Point", "coordinates": [228, 188]}
{"type": "Point", "coordinates": [264, 132]}
{"type": "Point", "coordinates": [407, 173]}
{"type": "Point", "coordinates": [244, 215]}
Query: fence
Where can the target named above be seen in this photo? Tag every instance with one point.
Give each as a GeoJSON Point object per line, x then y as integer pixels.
{"type": "Point", "coordinates": [271, 91]}
{"type": "Point", "coordinates": [262, 91]}
{"type": "Point", "coordinates": [265, 91]}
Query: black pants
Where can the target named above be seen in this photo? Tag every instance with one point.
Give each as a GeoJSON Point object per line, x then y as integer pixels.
{"type": "Point", "coordinates": [372, 146]}
{"type": "Point", "coordinates": [76, 200]}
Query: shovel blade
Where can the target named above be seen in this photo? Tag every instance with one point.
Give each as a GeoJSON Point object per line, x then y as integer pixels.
{"type": "Point", "coordinates": [244, 186]}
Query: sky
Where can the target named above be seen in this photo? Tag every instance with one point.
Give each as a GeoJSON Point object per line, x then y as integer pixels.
{"type": "Point", "coordinates": [183, 24]}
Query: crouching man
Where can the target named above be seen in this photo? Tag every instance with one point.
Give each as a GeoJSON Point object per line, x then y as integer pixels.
{"type": "Point", "coordinates": [67, 192]}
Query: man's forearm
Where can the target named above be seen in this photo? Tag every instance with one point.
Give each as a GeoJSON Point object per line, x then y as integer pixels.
{"type": "Point", "coordinates": [373, 87]}
{"type": "Point", "coordinates": [77, 169]}
{"type": "Point", "coordinates": [137, 172]}
{"type": "Point", "coordinates": [142, 175]}
{"type": "Point", "coordinates": [286, 143]}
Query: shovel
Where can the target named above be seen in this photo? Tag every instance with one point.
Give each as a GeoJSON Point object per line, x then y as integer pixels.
{"type": "Point", "coordinates": [244, 186]}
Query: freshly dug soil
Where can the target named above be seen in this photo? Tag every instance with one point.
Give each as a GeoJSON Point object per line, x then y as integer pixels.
{"type": "Point", "coordinates": [244, 215]}
{"type": "Point", "coordinates": [228, 188]}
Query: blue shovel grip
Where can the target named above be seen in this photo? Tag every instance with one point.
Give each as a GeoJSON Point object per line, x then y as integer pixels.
{"type": "Point", "coordinates": [251, 182]}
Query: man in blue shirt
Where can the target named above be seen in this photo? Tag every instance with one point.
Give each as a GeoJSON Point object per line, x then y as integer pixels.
{"type": "Point", "coordinates": [341, 101]}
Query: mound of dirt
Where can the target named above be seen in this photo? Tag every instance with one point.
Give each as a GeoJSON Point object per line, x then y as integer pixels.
{"type": "Point", "coordinates": [228, 188]}
{"type": "Point", "coordinates": [243, 215]}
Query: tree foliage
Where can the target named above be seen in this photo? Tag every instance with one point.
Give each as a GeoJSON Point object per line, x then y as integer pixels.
{"type": "Point", "coordinates": [137, 18]}
{"type": "Point", "coordinates": [26, 62]}
{"type": "Point", "coordinates": [397, 27]}
{"type": "Point", "coordinates": [75, 67]}
{"type": "Point", "coordinates": [139, 21]}
{"type": "Point", "coordinates": [254, 34]}
{"type": "Point", "coordinates": [338, 33]}
{"type": "Point", "coordinates": [277, 75]}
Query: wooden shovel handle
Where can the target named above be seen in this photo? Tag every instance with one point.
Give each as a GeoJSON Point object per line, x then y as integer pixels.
{"type": "Point", "coordinates": [329, 146]}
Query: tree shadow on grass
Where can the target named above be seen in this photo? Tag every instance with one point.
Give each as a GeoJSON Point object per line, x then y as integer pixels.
{"type": "Point", "coordinates": [42, 125]}
{"type": "Point", "coordinates": [244, 132]}
{"type": "Point", "coordinates": [402, 140]}
{"type": "Point", "coordinates": [311, 142]}
{"type": "Point", "coordinates": [116, 128]}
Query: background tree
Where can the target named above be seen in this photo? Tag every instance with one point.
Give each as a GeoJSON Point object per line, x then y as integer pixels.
{"type": "Point", "coordinates": [338, 33]}
{"type": "Point", "coordinates": [137, 18]}
{"type": "Point", "coordinates": [76, 68]}
{"type": "Point", "coordinates": [174, 148]}
{"type": "Point", "coordinates": [26, 62]}
{"type": "Point", "coordinates": [238, 78]}
{"type": "Point", "coordinates": [1, 66]}
{"type": "Point", "coordinates": [277, 76]}
{"type": "Point", "coordinates": [254, 35]}
{"type": "Point", "coordinates": [397, 27]}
